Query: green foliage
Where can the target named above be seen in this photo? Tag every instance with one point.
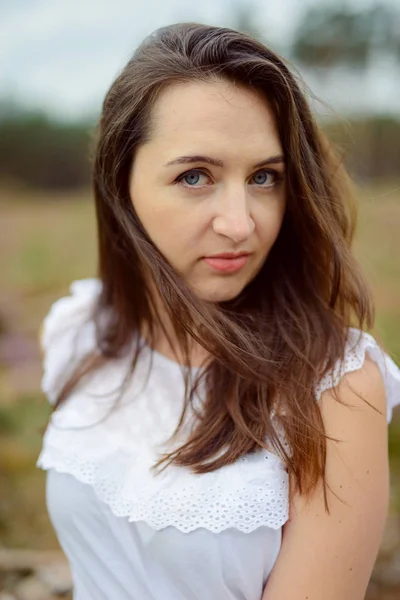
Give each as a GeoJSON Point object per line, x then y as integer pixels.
{"type": "Point", "coordinates": [8, 424]}
{"type": "Point", "coordinates": [23, 518]}
{"type": "Point", "coordinates": [330, 35]}
{"type": "Point", "coordinates": [44, 154]}
{"type": "Point", "coordinates": [388, 324]}
{"type": "Point", "coordinates": [24, 419]}
{"type": "Point", "coordinates": [48, 243]}
{"type": "Point", "coordinates": [394, 443]}
{"type": "Point", "coordinates": [369, 146]}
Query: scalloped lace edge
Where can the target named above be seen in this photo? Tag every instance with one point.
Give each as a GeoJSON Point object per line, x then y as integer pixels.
{"type": "Point", "coordinates": [356, 349]}
{"type": "Point", "coordinates": [255, 508]}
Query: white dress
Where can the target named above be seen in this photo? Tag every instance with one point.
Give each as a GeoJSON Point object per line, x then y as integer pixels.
{"type": "Point", "coordinates": [131, 535]}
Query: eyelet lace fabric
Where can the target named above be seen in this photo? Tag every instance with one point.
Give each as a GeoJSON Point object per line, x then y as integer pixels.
{"type": "Point", "coordinates": [244, 496]}
{"type": "Point", "coordinates": [358, 345]}
{"type": "Point", "coordinates": [112, 447]}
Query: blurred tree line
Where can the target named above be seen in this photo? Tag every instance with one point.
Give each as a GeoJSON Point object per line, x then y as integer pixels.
{"type": "Point", "coordinates": [43, 153]}
{"type": "Point", "coordinates": [39, 153]}
{"type": "Point", "coordinates": [331, 35]}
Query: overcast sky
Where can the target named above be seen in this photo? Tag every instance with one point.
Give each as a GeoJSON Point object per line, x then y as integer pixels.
{"type": "Point", "coordinates": [62, 55]}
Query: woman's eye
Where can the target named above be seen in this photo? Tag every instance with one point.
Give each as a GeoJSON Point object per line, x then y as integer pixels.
{"type": "Point", "coordinates": [265, 178]}
{"type": "Point", "coordinates": [191, 178]}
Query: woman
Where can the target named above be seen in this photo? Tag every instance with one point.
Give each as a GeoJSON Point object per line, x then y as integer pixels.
{"type": "Point", "coordinates": [220, 429]}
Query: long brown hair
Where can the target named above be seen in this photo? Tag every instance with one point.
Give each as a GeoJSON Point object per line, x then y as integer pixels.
{"type": "Point", "coordinates": [272, 343]}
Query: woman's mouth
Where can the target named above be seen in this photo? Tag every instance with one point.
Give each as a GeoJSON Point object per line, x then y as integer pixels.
{"type": "Point", "coordinates": [228, 262]}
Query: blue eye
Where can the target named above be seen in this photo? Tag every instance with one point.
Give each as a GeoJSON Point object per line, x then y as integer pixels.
{"type": "Point", "coordinates": [261, 178]}
{"type": "Point", "coordinates": [190, 178]}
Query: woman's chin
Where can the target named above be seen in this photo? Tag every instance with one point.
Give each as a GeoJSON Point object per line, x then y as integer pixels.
{"type": "Point", "coordinates": [221, 291]}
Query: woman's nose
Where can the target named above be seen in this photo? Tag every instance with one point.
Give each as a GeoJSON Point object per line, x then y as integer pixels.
{"type": "Point", "coordinates": [233, 217]}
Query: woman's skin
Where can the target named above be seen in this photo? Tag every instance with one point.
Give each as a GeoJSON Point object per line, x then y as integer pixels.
{"type": "Point", "coordinates": [232, 206]}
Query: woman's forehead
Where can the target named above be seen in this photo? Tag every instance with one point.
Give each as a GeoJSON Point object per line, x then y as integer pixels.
{"type": "Point", "coordinates": [199, 117]}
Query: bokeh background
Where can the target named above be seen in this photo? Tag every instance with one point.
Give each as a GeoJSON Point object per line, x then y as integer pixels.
{"type": "Point", "coordinates": [57, 60]}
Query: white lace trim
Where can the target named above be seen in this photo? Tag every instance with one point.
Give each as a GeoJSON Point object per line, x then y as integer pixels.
{"type": "Point", "coordinates": [114, 456]}
{"type": "Point", "coordinates": [358, 344]}
{"type": "Point", "coordinates": [246, 495]}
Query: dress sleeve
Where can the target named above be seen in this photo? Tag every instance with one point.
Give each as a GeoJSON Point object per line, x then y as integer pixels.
{"type": "Point", "coordinates": [68, 333]}
{"type": "Point", "coordinates": [357, 346]}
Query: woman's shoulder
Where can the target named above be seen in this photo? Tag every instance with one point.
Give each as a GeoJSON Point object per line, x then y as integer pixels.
{"type": "Point", "coordinates": [360, 351]}
{"type": "Point", "coordinates": [68, 333]}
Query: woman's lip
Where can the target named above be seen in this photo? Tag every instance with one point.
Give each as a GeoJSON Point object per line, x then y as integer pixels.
{"type": "Point", "coordinates": [226, 265]}
{"type": "Point", "coordinates": [229, 255]}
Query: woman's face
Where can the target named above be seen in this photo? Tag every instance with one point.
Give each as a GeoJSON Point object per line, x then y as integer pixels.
{"type": "Point", "coordinates": [211, 181]}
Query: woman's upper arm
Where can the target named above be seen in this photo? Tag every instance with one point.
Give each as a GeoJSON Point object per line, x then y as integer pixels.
{"type": "Point", "coordinates": [331, 556]}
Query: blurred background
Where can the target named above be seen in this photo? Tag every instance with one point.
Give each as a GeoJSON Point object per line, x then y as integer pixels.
{"type": "Point", "coordinates": [57, 60]}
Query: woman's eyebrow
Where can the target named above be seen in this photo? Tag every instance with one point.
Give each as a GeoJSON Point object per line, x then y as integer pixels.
{"type": "Point", "coordinates": [272, 160]}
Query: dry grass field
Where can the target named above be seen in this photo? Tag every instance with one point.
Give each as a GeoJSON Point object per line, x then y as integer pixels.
{"type": "Point", "coordinates": [45, 243]}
